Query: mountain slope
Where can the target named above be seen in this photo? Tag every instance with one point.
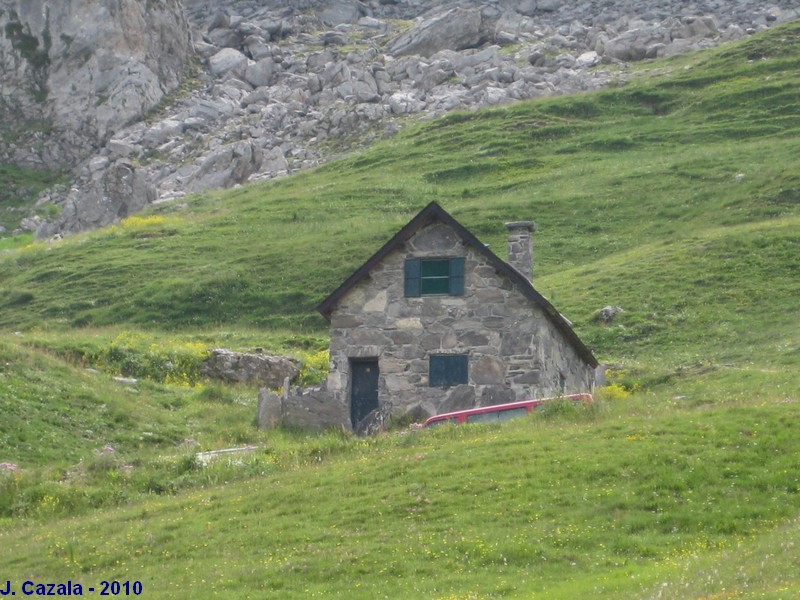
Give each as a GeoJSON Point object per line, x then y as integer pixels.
{"type": "Point", "coordinates": [678, 158]}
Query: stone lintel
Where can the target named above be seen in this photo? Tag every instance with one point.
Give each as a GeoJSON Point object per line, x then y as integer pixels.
{"type": "Point", "coordinates": [526, 225]}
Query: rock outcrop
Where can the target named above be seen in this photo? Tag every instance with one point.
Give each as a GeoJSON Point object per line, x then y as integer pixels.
{"type": "Point", "coordinates": [279, 82]}
{"type": "Point", "coordinates": [250, 368]}
{"type": "Point", "coordinates": [104, 193]}
{"type": "Point", "coordinates": [74, 73]}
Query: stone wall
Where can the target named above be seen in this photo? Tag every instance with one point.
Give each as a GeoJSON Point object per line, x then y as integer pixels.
{"type": "Point", "coordinates": [514, 350]}
{"type": "Point", "coordinates": [309, 408]}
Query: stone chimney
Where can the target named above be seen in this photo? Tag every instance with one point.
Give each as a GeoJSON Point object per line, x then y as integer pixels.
{"type": "Point", "coordinates": [520, 246]}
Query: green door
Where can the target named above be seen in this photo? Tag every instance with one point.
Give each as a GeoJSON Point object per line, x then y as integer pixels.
{"type": "Point", "coordinates": [364, 389]}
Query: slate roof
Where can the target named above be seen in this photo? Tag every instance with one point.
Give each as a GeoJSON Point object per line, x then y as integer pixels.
{"type": "Point", "coordinates": [434, 213]}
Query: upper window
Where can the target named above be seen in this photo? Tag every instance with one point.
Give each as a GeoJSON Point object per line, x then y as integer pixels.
{"type": "Point", "coordinates": [434, 276]}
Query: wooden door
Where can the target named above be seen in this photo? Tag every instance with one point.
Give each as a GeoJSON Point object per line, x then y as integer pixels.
{"type": "Point", "coordinates": [363, 388]}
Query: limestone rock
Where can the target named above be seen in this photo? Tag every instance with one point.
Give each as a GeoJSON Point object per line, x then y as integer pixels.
{"type": "Point", "coordinates": [269, 409]}
{"type": "Point", "coordinates": [313, 408]}
{"type": "Point", "coordinates": [375, 422]}
{"type": "Point", "coordinates": [607, 314]}
{"type": "Point", "coordinates": [227, 166]}
{"type": "Point", "coordinates": [268, 371]}
{"type": "Point", "coordinates": [342, 11]}
{"type": "Point", "coordinates": [456, 29]}
{"type": "Point", "coordinates": [588, 59]}
{"type": "Point", "coordinates": [105, 195]}
{"type": "Point", "coordinates": [261, 73]}
{"type": "Point", "coordinates": [228, 62]}
{"type": "Point", "coordinates": [635, 44]}
{"type": "Point", "coordinates": [87, 68]}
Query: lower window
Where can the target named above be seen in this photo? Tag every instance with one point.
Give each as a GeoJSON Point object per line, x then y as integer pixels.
{"type": "Point", "coordinates": [446, 370]}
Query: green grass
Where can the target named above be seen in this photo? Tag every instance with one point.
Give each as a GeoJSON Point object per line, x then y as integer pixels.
{"type": "Point", "coordinates": [675, 197]}
{"type": "Point", "coordinates": [56, 414]}
{"type": "Point", "coordinates": [610, 504]}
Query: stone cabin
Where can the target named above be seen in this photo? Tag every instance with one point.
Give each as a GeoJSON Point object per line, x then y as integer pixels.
{"type": "Point", "coordinates": [434, 321]}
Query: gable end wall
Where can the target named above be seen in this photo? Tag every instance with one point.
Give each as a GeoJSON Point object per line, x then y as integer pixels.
{"type": "Point", "coordinates": [515, 352]}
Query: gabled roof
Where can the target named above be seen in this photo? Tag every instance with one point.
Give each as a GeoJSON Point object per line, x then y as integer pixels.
{"type": "Point", "coordinates": [435, 213]}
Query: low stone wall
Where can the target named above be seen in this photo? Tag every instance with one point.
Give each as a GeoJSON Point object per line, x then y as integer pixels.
{"type": "Point", "coordinates": [311, 408]}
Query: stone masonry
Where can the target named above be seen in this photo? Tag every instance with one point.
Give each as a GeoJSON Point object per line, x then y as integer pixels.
{"type": "Point", "coordinates": [520, 247]}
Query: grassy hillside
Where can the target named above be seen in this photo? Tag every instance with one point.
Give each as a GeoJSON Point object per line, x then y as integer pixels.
{"type": "Point", "coordinates": [645, 498]}
{"type": "Point", "coordinates": [675, 196]}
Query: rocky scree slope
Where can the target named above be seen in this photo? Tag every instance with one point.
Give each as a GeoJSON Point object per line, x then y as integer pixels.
{"type": "Point", "coordinates": [73, 73]}
{"type": "Point", "coordinates": [281, 88]}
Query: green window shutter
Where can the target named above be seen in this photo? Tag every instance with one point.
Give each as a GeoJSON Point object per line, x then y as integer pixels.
{"type": "Point", "coordinates": [447, 370]}
{"type": "Point", "coordinates": [412, 277]}
{"type": "Point", "coordinates": [457, 276]}
{"type": "Point", "coordinates": [435, 277]}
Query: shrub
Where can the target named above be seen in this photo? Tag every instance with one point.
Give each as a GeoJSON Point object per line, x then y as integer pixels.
{"type": "Point", "coordinates": [9, 488]}
{"type": "Point", "coordinates": [621, 383]}
{"type": "Point", "coordinates": [166, 361]}
{"type": "Point", "coordinates": [19, 298]}
{"type": "Point", "coordinates": [314, 368]}
{"type": "Point", "coordinates": [46, 499]}
{"type": "Point", "coordinates": [612, 392]}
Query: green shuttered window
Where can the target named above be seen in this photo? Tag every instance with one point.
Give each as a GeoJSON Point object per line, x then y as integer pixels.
{"type": "Point", "coordinates": [434, 277]}
{"type": "Point", "coordinates": [446, 370]}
